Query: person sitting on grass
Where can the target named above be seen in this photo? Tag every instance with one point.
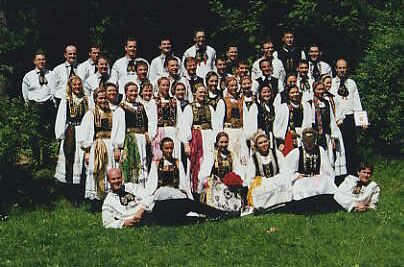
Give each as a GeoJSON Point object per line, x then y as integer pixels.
{"type": "Point", "coordinates": [129, 205]}
{"type": "Point", "coordinates": [358, 193]}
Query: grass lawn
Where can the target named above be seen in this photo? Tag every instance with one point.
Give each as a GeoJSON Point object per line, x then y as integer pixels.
{"type": "Point", "coordinates": [68, 236]}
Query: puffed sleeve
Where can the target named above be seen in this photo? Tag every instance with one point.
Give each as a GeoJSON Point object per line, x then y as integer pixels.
{"type": "Point", "coordinates": [87, 130]}
{"type": "Point", "coordinates": [118, 128]}
{"type": "Point", "coordinates": [60, 124]}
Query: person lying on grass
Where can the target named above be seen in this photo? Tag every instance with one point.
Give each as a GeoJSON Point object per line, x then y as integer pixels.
{"type": "Point", "coordinates": [359, 193]}
{"type": "Point", "coordinates": [129, 205]}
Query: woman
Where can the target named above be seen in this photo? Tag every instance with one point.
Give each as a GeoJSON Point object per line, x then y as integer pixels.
{"type": "Point", "coordinates": [96, 142]}
{"type": "Point", "coordinates": [234, 122]}
{"type": "Point", "coordinates": [266, 113]}
{"type": "Point", "coordinates": [214, 98]}
{"type": "Point", "coordinates": [71, 111]}
{"type": "Point", "coordinates": [339, 151]}
{"type": "Point", "coordinates": [130, 136]}
{"type": "Point", "coordinates": [214, 172]}
{"type": "Point", "coordinates": [309, 168]}
{"type": "Point", "coordinates": [290, 119]}
{"type": "Point", "coordinates": [198, 131]}
{"type": "Point", "coordinates": [269, 187]}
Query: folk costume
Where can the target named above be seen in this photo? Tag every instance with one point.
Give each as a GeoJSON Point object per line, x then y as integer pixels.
{"type": "Point", "coordinates": [129, 131]}
{"type": "Point", "coordinates": [198, 130]}
{"type": "Point", "coordinates": [305, 84]}
{"type": "Point", "coordinates": [277, 65]}
{"type": "Point", "coordinates": [71, 111]}
{"type": "Point", "coordinates": [96, 139]}
{"type": "Point", "coordinates": [318, 175]}
{"type": "Point", "coordinates": [215, 192]}
{"type": "Point", "coordinates": [205, 58]}
{"type": "Point", "coordinates": [290, 120]}
{"type": "Point", "coordinates": [290, 57]}
{"type": "Point", "coordinates": [347, 101]}
{"type": "Point", "coordinates": [353, 192]}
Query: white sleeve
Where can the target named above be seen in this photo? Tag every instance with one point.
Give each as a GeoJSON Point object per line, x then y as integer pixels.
{"type": "Point", "coordinates": [219, 117]}
{"type": "Point", "coordinates": [151, 113]}
{"type": "Point", "coordinates": [357, 106]}
{"type": "Point", "coordinates": [325, 168]}
{"type": "Point", "coordinates": [280, 85]}
{"type": "Point", "coordinates": [374, 198]}
{"type": "Point", "coordinates": [153, 70]}
{"type": "Point", "coordinates": [292, 161]}
{"type": "Point", "coordinates": [24, 88]}
{"type": "Point", "coordinates": [114, 73]}
{"type": "Point", "coordinates": [118, 130]}
{"type": "Point", "coordinates": [250, 124]}
{"type": "Point", "coordinates": [333, 125]}
{"type": "Point", "coordinates": [152, 179]}
{"type": "Point", "coordinates": [255, 87]}
{"type": "Point", "coordinates": [110, 218]}
{"type": "Point", "coordinates": [343, 196]}
{"type": "Point", "coordinates": [185, 182]}
{"type": "Point", "coordinates": [60, 124]}
{"type": "Point", "coordinates": [307, 115]}
{"type": "Point", "coordinates": [255, 70]}
{"type": "Point", "coordinates": [250, 170]}
{"type": "Point", "coordinates": [281, 121]}
{"type": "Point", "coordinates": [185, 125]}
{"type": "Point", "coordinates": [87, 130]}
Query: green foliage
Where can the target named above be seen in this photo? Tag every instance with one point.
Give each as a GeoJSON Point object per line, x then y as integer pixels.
{"type": "Point", "coordinates": [240, 24]}
{"type": "Point", "coordinates": [68, 236]}
{"type": "Point", "coordinates": [379, 76]}
{"type": "Point", "coordinates": [18, 126]}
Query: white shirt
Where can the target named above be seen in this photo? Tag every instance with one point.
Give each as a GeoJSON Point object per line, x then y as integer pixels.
{"type": "Point", "coordinates": [92, 83]}
{"type": "Point", "coordinates": [278, 69]}
{"type": "Point", "coordinates": [256, 85]}
{"type": "Point", "coordinates": [86, 68]}
{"type": "Point", "coordinates": [203, 67]}
{"type": "Point", "coordinates": [369, 194]}
{"type": "Point", "coordinates": [32, 90]}
{"type": "Point", "coordinates": [119, 74]}
{"type": "Point", "coordinates": [157, 68]}
{"type": "Point", "coordinates": [114, 213]}
{"type": "Point", "coordinates": [307, 94]}
{"type": "Point", "coordinates": [347, 105]}
{"type": "Point", "coordinates": [62, 72]}
{"type": "Point", "coordinates": [323, 67]}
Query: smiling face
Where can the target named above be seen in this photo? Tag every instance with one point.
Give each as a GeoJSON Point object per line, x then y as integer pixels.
{"type": "Point", "coordinates": [223, 143]}
{"type": "Point", "coordinates": [246, 86]}
{"type": "Point", "coordinates": [232, 87]}
{"type": "Point", "coordinates": [77, 87]}
{"type": "Point", "coordinates": [71, 54]}
{"type": "Point", "coordinates": [327, 83]}
{"type": "Point", "coordinates": [147, 92]}
{"type": "Point", "coordinates": [365, 175]}
{"type": "Point", "coordinates": [262, 145]}
{"type": "Point", "coordinates": [303, 69]}
{"type": "Point", "coordinates": [101, 100]}
{"type": "Point", "coordinates": [172, 67]}
{"type": "Point", "coordinates": [132, 93]}
{"type": "Point", "coordinates": [291, 80]}
{"type": "Point", "coordinates": [180, 91]}
{"type": "Point", "coordinates": [200, 38]}
{"type": "Point", "coordinates": [115, 179]}
{"type": "Point", "coordinates": [314, 53]}
{"type": "Point", "coordinates": [319, 90]}
{"type": "Point", "coordinates": [141, 71]}
{"type": "Point", "coordinates": [131, 49]}
{"type": "Point", "coordinates": [213, 81]}
{"type": "Point", "coordinates": [102, 66]}
{"type": "Point", "coordinates": [112, 93]}
{"type": "Point", "coordinates": [341, 68]}
{"type": "Point", "coordinates": [265, 94]}
{"type": "Point", "coordinates": [167, 149]}
{"type": "Point", "coordinates": [232, 53]}
{"type": "Point", "coordinates": [288, 39]}
{"type": "Point", "coordinates": [165, 47]}
{"type": "Point", "coordinates": [266, 68]}
{"type": "Point", "coordinates": [190, 67]}
{"type": "Point", "coordinates": [220, 66]}
{"type": "Point", "coordinates": [200, 94]}
{"type": "Point", "coordinates": [294, 95]}
{"type": "Point", "coordinates": [268, 49]}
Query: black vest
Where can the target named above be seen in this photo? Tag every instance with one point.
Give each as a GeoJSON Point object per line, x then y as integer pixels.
{"type": "Point", "coordinates": [290, 58]}
{"type": "Point", "coordinates": [309, 165]}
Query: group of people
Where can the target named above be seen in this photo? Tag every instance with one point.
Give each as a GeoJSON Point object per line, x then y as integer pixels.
{"type": "Point", "coordinates": [203, 133]}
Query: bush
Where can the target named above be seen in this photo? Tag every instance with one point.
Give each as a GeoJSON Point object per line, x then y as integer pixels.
{"type": "Point", "coordinates": [380, 81]}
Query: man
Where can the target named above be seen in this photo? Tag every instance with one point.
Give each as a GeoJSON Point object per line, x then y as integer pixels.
{"type": "Point", "coordinates": [267, 78]}
{"type": "Point", "coordinates": [190, 73]}
{"type": "Point", "coordinates": [359, 193]}
{"type": "Point", "coordinates": [89, 67]}
{"type": "Point", "coordinates": [124, 69]}
{"type": "Point", "coordinates": [64, 71]}
{"type": "Point", "coordinates": [98, 79]}
{"type": "Point", "coordinates": [204, 54]}
{"type": "Point", "coordinates": [231, 58]}
{"type": "Point", "coordinates": [317, 67]}
{"type": "Point", "coordinates": [347, 101]}
{"type": "Point", "coordinates": [288, 53]}
{"type": "Point", "coordinates": [38, 87]}
{"type": "Point", "coordinates": [172, 66]}
{"type": "Point", "coordinates": [221, 70]}
{"type": "Point", "coordinates": [128, 205]}
{"type": "Point", "coordinates": [268, 50]}
{"type": "Point", "coordinates": [142, 68]}
{"type": "Point", "coordinates": [304, 82]}
{"type": "Point", "coordinates": [157, 68]}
